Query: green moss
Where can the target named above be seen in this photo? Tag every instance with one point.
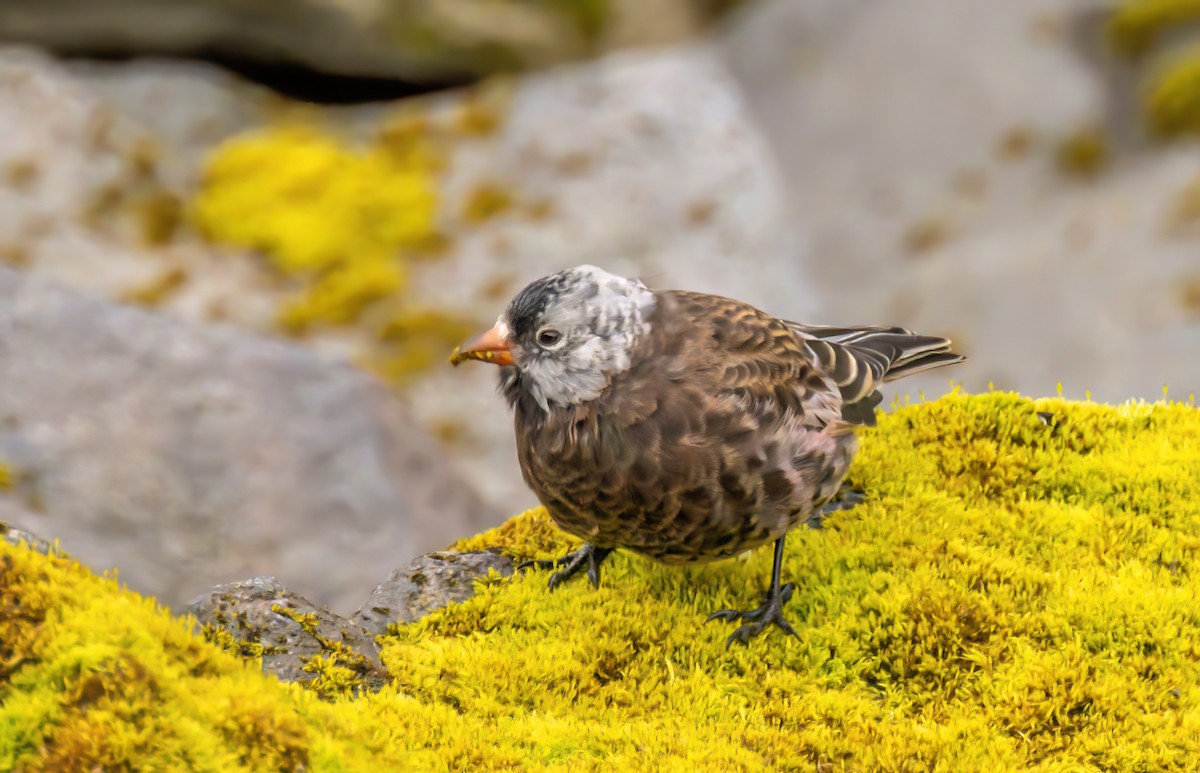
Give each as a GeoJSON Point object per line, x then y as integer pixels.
{"type": "Point", "coordinates": [1016, 593]}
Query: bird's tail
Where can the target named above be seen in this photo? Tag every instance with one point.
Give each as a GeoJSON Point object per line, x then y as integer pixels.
{"type": "Point", "coordinates": [859, 359]}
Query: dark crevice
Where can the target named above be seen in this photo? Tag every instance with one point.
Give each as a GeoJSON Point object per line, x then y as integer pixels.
{"type": "Point", "coordinates": [294, 80]}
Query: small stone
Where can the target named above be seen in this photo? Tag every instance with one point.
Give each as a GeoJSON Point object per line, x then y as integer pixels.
{"type": "Point", "coordinates": [430, 582]}
{"type": "Point", "coordinates": [291, 629]}
{"type": "Point", "coordinates": [21, 538]}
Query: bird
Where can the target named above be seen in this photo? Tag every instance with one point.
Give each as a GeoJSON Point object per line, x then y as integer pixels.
{"type": "Point", "coordinates": [684, 426]}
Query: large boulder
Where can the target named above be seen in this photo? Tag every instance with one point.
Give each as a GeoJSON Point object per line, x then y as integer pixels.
{"type": "Point", "coordinates": [645, 162]}
{"type": "Point", "coordinates": [980, 170]}
{"type": "Point", "coordinates": [183, 456]}
{"type": "Point", "coordinates": [430, 41]}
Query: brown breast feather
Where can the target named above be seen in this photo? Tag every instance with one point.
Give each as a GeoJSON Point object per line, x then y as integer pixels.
{"type": "Point", "coordinates": [719, 438]}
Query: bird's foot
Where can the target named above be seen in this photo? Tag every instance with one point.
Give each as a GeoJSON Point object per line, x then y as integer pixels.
{"type": "Point", "coordinates": [571, 564]}
{"type": "Point", "coordinates": [756, 621]}
{"type": "Point", "coordinates": [847, 498]}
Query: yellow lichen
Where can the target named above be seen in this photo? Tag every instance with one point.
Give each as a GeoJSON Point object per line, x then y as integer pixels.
{"type": "Point", "coordinates": [483, 112]}
{"type": "Point", "coordinates": [1172, 93]}
{"type": "Point", "coordinates": [344, 226]}
{"type": "Point", "coordinates": [1017, 592]}
{"type": "Point", "coordinates": [487, 201]}
{"type": "Point", "coordinates": [414, 339]}
{"type": "Point", "coordinates": [926, 234]}
{"type": "Point", "coordinates": [1136, 25]}
{"type": "Point", "coordinates": [16, 255]}
{"type": "Point", "coordinates": [1015, 144]}
{"type": "Point", "coordinates": [1173, 98]}
{"type": "Point", "coordinates": [159, 213]}
{"type": "Point", "coordinates": [1084, 153]}
{"type": "Point", "coordinates": [334, 217]}
{"type": "Point", "coordinates": [157, 290]}
{"type": "Point", "coordinates": [341, 294]}
{"type": "Point", "coordinates": [21, 173]}
{"type": "Point", "coordinates": [6, 478]}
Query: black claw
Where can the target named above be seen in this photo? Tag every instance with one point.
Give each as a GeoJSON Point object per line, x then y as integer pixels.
{"type": "Point", "coordinates": [588, 555]}
{"type": "Point", "coordinates": [847, 498]}
{"type": "Point", "coordinates": [770, 613]}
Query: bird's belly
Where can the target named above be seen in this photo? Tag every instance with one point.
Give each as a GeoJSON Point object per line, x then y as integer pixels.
{"type": "Point", "coordinates": [675, 524]}
{"type": "Point", "coordinates": [686, 501]}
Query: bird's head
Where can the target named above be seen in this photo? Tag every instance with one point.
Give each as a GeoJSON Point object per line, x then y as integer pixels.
{"type": "Point", "coordinates": [565, 335]}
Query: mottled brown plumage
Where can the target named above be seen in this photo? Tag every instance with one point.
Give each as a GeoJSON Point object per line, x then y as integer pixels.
{"type": "Point", "coordinates": [684, 426]}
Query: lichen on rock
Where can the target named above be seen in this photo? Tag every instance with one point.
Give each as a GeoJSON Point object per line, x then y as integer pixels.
{"type": "Point", "coordinates": [333, 217]}
{"type": "Point", "coordinates": [343, 225]}
{"type": "Point", "coordinates": [1016, 592]}
{"type": "Point", "coordinates": [1172, 92]}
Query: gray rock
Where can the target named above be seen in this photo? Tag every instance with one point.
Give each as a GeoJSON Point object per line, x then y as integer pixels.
{"type": "Point", "coordinates": [290, 629]}
{"type": "Point", "coordinates": [427, 41]}
{"type": "Point", "coordinates": [92, 199]}
{"type": "Point", "coordinates": [1099, 292]}
{"type": "Point", "coordinates": [181, 455]}
{"type": "Point", "coordinates": [19, 537]}
{"type": "Point", "coordinates": [429, 583]}
{"type": "Point", "coordinates": [644, 162]}
{"type": "Point", "coordinates": [921, 141]}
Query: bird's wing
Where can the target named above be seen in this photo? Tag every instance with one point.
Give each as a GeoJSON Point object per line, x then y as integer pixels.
{"type": "Point", "coordinates": [859, 359]}
{"type": "Point", "coordinates": [744, 354]}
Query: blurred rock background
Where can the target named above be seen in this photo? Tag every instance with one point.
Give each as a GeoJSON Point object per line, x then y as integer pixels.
{"type": "Point", "coordinates": [241, 237]}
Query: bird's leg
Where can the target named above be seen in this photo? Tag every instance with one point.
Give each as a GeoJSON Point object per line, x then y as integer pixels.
{"type": "Point", "coordinates": [571, 563]}
{"type": "Point", "coordinates": [847, 498]}
{"type": "Point", "coordinates": [756, 621]}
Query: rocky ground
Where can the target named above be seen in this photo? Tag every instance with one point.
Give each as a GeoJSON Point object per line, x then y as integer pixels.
{"type": "Point", "coordinates": [975, 169]}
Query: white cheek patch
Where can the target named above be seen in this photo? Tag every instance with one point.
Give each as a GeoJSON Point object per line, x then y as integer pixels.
{"type": "Point", "coordinates": [502, 328]}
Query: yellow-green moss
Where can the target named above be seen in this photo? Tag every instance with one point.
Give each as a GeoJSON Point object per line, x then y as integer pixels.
{"type": "Point", "coordinates": [6, 478]}
{"type": "Point", "coordinates": [1016, 593]}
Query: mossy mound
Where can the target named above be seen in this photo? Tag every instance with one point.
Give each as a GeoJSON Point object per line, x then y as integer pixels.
{"type": "Point", "coordinates": [1017, 593]}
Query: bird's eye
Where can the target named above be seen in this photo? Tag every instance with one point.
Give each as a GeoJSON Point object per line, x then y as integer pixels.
{"type": "Point", "coordinates": [548, 337]}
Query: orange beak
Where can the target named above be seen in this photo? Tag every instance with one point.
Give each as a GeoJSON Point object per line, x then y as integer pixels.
{"type": "Point", "coordinates": [491, 347]}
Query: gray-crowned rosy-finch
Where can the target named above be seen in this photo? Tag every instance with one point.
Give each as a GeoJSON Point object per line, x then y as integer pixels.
{"type": "Point", "coordinates": [684, 426]}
